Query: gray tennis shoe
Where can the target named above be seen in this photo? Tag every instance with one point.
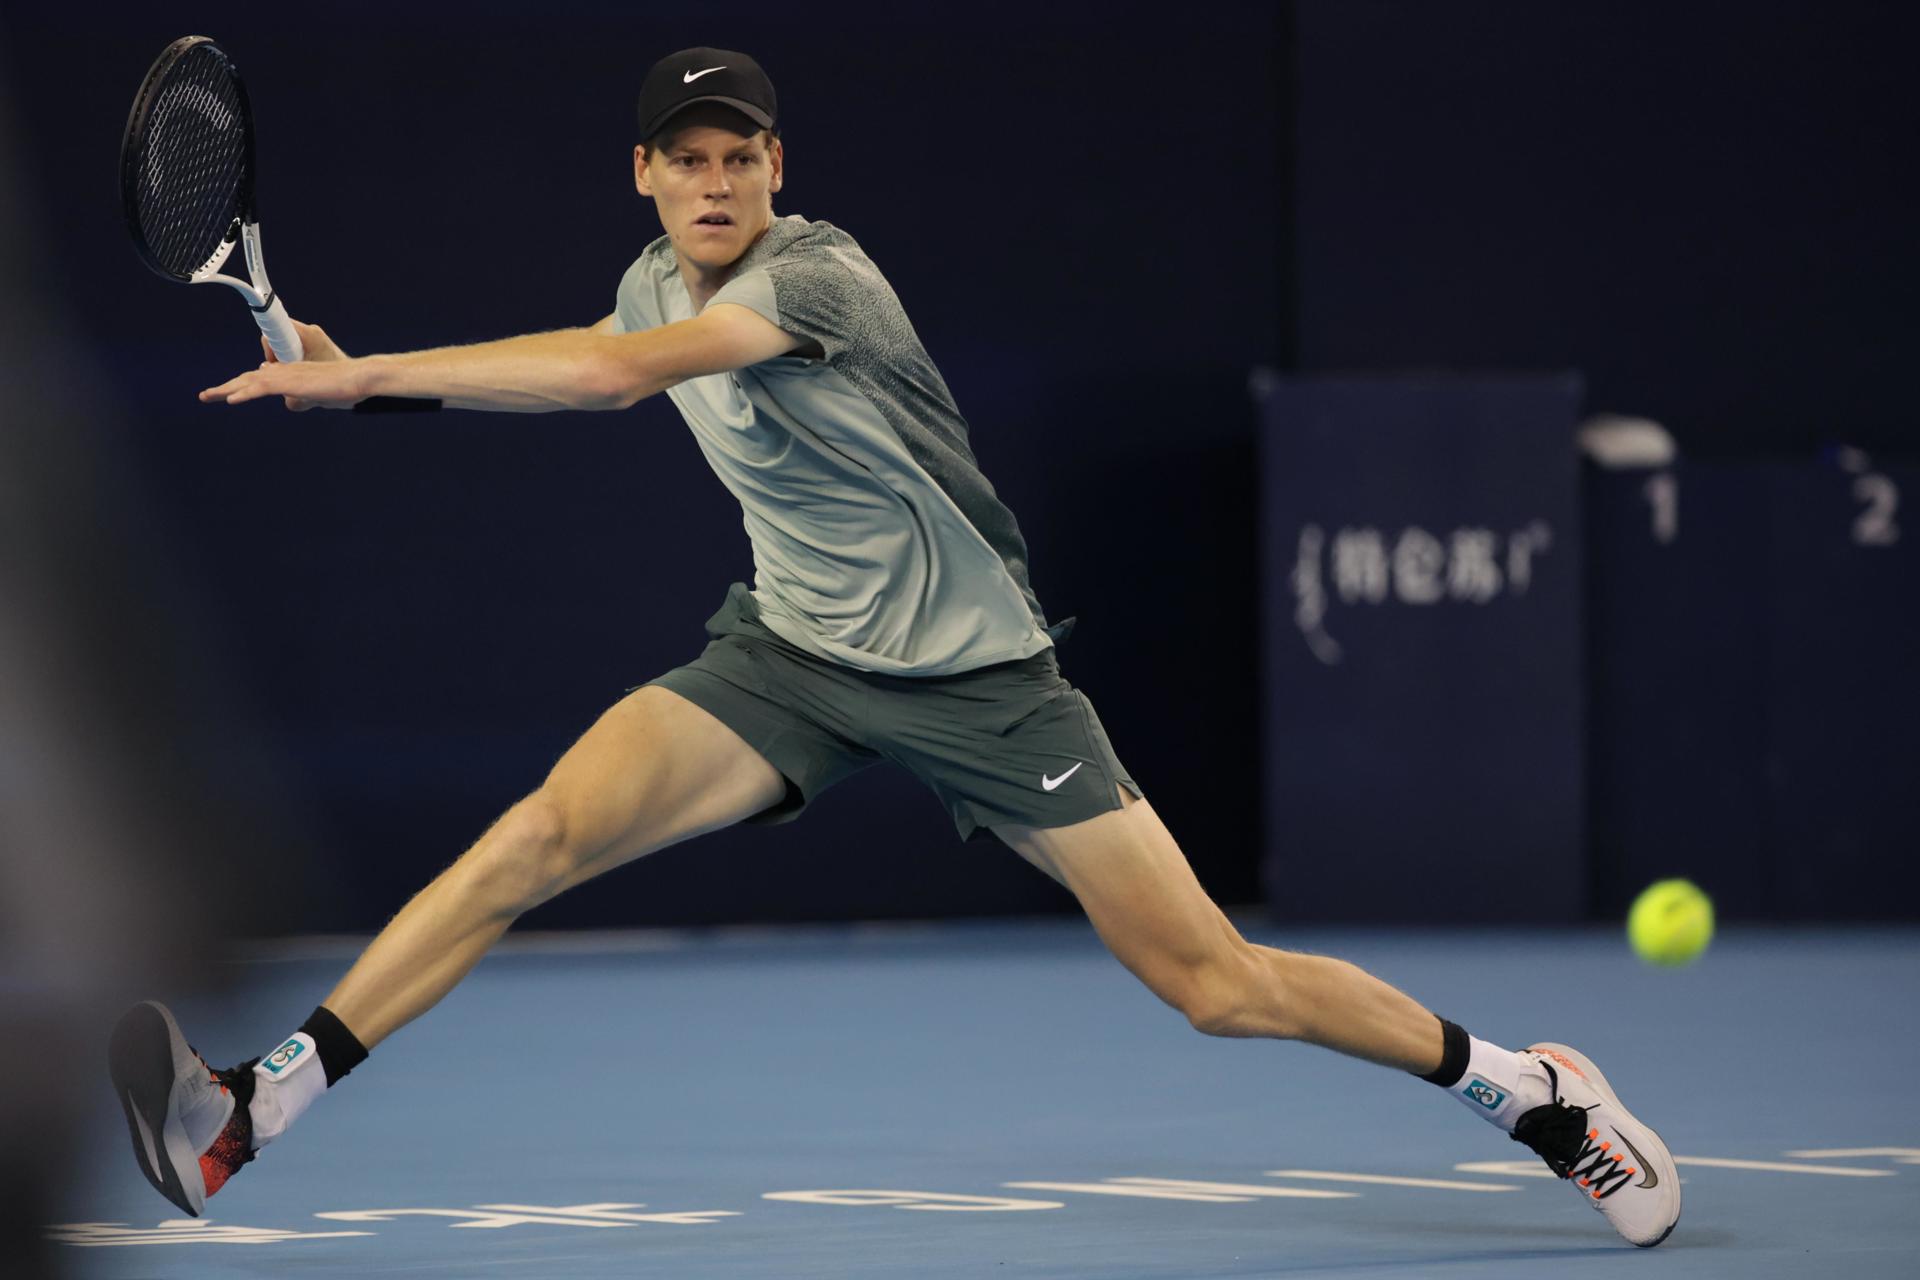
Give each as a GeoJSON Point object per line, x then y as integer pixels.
{"type": "Point", "coordinates": [191, 1128]}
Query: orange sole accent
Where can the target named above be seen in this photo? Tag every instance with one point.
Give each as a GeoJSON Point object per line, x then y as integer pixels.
{"type": "Point", "coordinates": [225, 1156]}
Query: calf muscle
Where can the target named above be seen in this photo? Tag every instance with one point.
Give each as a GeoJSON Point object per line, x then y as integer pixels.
{"type": "Point", "coordinates": [1142, 898]}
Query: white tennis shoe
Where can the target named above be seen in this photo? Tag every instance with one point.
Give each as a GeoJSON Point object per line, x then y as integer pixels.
{"type": "Point", "coordinates": [1618, 1165]}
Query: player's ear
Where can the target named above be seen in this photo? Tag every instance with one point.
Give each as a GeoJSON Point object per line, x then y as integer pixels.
{"type": "Point", "coordinates": [642, 179]}
{"type": "Point", "coordinates": [777, 161]}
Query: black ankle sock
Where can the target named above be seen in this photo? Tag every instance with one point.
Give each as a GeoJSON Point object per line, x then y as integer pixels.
{"type": "Point", "coordinates": [340, 1052]}
{"type": "Point", "coordinates": [1454, 1052]}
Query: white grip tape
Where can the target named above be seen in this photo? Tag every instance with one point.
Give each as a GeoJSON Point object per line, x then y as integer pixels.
{"type": "Point", "coordinates": [280, 332]}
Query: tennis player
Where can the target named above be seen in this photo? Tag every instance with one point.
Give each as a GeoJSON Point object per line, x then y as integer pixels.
{"type": "Point", "coordinates": [892, 618]}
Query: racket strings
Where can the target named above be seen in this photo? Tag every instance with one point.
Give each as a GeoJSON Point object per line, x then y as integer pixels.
{"type": "Point", "coordinates": [192, 161]}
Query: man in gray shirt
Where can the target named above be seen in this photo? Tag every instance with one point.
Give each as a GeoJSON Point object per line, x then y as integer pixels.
{"type": "Point", "coordinates": [891, 618]}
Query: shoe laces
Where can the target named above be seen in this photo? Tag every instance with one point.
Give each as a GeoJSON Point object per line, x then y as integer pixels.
{"type": "Point", "coordinates": [237, 1081]}
{"type": "Point", "coordinates": [234, 1147]}
{"type": "Point", "coordinates": [1559, 1134]}
{"type": "Point", "coordinates": [213, 1076]}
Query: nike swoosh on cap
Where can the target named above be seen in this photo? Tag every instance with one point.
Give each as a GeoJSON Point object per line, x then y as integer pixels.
{"type": "Point", "coordinates": [691, 76]}
{"type": "Point", "coordinates": [1653, 1179]}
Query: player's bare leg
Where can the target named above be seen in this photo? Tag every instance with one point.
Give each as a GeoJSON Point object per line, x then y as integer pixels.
{"type": "Point", "coordinates": [1142, 897]}
{"type": "Point", "coordinates": [653, 770]}
{"type": "Point", "coordinates": [1147, 906]}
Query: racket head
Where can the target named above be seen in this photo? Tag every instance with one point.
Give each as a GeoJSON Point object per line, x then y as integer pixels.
{"type": "Point", "coordinates": [186, 159]}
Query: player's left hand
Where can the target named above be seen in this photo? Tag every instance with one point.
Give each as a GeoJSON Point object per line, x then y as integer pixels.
{"type": "Point", "coordinates": [310, 384]}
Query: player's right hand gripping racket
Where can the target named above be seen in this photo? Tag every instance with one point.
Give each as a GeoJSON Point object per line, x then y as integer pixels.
{"type": "Point", "coordinates": [186, 183]}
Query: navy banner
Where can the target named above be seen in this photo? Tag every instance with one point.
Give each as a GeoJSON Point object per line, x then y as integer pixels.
{"type": "Point", "coordinates": [1421, 579]}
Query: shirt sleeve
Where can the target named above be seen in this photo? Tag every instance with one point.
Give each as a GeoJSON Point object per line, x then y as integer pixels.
{"type": "Point", "coordinates": [829, 294]}
{"type": "Point", "coordinates": [753, 290]}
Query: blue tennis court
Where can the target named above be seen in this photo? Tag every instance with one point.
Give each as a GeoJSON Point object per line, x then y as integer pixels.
{"type": "Point", "coordinates": [1000, 1099]}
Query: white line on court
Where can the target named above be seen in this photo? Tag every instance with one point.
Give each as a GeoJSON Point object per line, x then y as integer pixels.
{"type": "Point", "coordinates": [1112, 1189]}
{"type": "Point", "coordinates": [1381, 1179]}
{"type": "Point", "coordinates": [1506, 1168]}
{"type": "Point", "coordinates": [91, 1235]}
{"type": "Point", "coordinates": [1237, 1188]}
{"type": "Point", "coordinates": [1776, 1166]}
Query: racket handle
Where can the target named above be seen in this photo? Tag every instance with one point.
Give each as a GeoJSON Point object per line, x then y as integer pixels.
{"type": "Point", "coordinates": [285, 341]}
{"type": "Point", "coordinates": [281, 335]}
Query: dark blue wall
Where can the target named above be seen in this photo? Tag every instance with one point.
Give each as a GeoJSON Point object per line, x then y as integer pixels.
{"type": "Point", "coordinates": [1705, 208]}
{"type": "Point", "coordinates": [1098, 225]}
{"type": "Point", "coordinates": [1754, 685]}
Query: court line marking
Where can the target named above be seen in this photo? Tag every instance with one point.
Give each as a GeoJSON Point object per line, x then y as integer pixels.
{"type": "Point", "coordinates": [617, 1212]}
{"type": "Point", "coordinates": [1506, 1168]}
{"type": "Point", "coordinates": [94, 1235]}
{"type": "Point", "coordinates": [601, 1214]}
{"type": "Point", "coordinates": [610, 1213]}
{"type": "Point", "coordinates": [943, 1201]}
{"type": "Point", "coordinates": [1145, 1193]}
{"type": "Point", "coordinates": [1778, 1166]}
{"type": "Point", "coordinates": [1385, 1180]}
{"type": "Point", "coordinates": [1527, 1169]}
{"type": "Point", "coordinates": [1240, 1188]}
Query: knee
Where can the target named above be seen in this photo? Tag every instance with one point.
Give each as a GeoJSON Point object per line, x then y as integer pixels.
{"type": "Point", "coordinates": [1215, 1008]}
{"type": "Point", "coordinates": [1238, 994]}
{"type": "Point", "coordinates": [524, 859]}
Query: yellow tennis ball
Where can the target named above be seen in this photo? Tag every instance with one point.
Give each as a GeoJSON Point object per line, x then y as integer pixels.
{"type": "Point", "coordinates": [1671, 922]}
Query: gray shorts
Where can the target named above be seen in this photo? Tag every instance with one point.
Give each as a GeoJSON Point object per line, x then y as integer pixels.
{"type": "Point", "coordinates": [1012, 742]}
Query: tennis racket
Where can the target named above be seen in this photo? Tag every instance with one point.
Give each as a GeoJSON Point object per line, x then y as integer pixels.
{"type": "Point", "coordinates": [186, 185]}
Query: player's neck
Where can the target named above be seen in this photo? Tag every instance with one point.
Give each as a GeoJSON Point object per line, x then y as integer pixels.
{"type": "Point", "coordinates": [703, 281]}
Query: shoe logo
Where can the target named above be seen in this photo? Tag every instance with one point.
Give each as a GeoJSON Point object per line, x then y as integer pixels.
{"type": "Point", "coordinates": [1050, 783]}
{"type": "Point", "coordinates": [1560, 1058]}
{"type": "Point", "coordinates": [283, 1057]}
{"type": "Point", "coordinates": [1652, 1178]}
{"type": "Point", "coordinates": [1484, 1094]}
{"type": "Point", "coordinates": [691, 76]}
{"type": "Point", "coordinates": [146, 1136]}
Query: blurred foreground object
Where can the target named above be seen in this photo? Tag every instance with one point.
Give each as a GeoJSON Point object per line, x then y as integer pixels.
{"type": "Point", "coordinates": [120, 858]}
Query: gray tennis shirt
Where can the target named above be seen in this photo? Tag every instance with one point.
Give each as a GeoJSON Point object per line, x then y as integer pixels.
{"type": "Point", "coordinates": [877, 542]}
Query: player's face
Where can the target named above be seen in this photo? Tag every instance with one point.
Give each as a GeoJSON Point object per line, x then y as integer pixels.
{"type": "Point", "coordinates": [712, 187]}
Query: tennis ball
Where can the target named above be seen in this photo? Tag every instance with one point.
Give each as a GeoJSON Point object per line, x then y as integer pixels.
{"type": "Point", "coordinates": [1671, 922]}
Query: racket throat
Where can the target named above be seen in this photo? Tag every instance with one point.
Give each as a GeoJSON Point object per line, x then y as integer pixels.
{"type": "Point", "coordinates": [259, 293]}
{"type": "Point", "coordinates": [256, 260]}
{"type": "Point", "coordinates": [256, 300]}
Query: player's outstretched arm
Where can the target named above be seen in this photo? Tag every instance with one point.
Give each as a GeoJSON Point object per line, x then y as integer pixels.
{"type": "Point", "coordinates": [590, 368]}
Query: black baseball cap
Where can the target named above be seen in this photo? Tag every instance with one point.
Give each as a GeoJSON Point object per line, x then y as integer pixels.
{"type": "Point", "coordinates": [705, 75]}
